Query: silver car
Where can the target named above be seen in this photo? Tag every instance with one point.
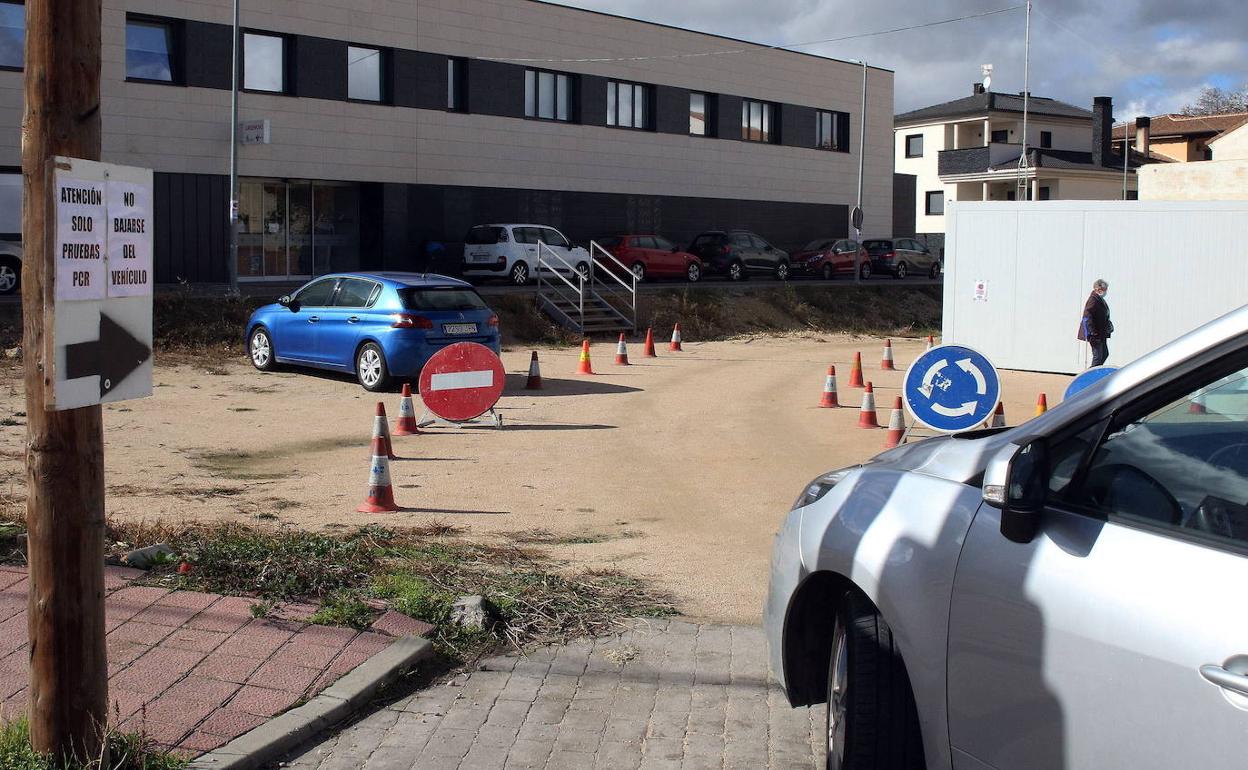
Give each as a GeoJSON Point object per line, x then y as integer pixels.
{"type": "Point", "coordinates": [1072, 592]}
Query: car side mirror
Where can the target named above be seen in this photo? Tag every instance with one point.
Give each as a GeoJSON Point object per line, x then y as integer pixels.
{"type": "Point", "coordinates": [289, 303]}
{"type": "Point", "coordinates": [1015, 482]}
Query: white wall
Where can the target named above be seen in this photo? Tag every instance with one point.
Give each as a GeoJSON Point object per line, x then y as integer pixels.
{"type": "Point", "coordinates": [924, 170]}
{"type": "Point", "coordinates": [1232, 145]}
{"type": "Point", "coordinates": [1166, 264]}
{"type": "Point", "coordinates": [1207, 180]}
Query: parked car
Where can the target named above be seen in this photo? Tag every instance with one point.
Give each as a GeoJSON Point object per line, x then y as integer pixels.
{"type": "Point", "coordinates": [900, 257]}
{"type": "Point", "coordinates": [1062, 594]}
{"type": "Point", "coordinates": [652, 256]}
{"type": "Point", "coordinates": [379, 326]}
{"type": "Point", "coordinates": [828, 257]}
{"type": "Point", "coordinates": [10, 267]}
{"type": "Point", "coordinates": [739, 253]}
{"type": "Point", "coordinates": [511, 252]}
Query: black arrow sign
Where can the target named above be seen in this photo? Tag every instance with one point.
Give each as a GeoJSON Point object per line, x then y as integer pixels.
{"type": "Point", "coordinates": [113, 356]}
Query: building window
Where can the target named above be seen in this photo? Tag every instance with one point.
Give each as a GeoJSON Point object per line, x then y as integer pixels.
{"type": "Point", "coordinates": [756, 121]}
{"type": "Point", "coordinates": [455, 85]}
{"type": "Point", "coordinates": [264, 62]}
{"type": "Point", "coordinates": [914, 146]}
{"type": "Point", "coordinates": [1001, 135]}
{"type": "Point", "coordinates": [935, 203]}
{"type": "Point", "coordinates": [628, 105]}
{"type": "Point", "coordinates": [1045, 193]}
{"type": "Point", "coordinates": [12, 35]}
{"type": "Point", "coordinates": [1046, 139]}
{"type": "Point", "coordinates": [364, 78]}
{"type": "Point", "coordinates": [832, 130]}
{"type": "Point", "coordinates": [546, 95]}
{"type": "Point", "coordinates": [700, 115]}
{"type": "Point", "coordinates": [150, 47]}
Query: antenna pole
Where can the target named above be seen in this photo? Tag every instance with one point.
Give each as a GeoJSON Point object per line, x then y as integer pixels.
{"type": "Point", "coordinates": [1022, 158]}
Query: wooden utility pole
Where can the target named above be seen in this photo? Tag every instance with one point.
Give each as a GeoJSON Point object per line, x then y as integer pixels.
{"type": "Point", "coordinates": [64, 450]}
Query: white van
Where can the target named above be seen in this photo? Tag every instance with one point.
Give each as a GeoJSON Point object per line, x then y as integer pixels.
{"type": "Point", "coordinates": [510, 252]}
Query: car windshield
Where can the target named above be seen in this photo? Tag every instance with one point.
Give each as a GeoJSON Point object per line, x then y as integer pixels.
{"type": "Point", "coordinates": [877, 247]}
{"type": "Point", "coordinates": [817, 245]}
{"type": "Point", "coordinates": [441, 298]}
{"type": "Point", "coordinates": [483, 235]}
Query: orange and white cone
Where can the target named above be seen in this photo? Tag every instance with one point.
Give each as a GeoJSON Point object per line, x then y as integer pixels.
{"type": "Point", "coordinates": [675, 338]}
{"type": "Point", "coordinates": [648, 351]}
{"type": "Point", "coordinates": [585, 367]}
{"type": "Point", "coordinates": [380, 492]}
{"type": "Point", "coordinates": [829, 399]}
{"type": "Point", "coordinates": [1042, 404]}
{"type": "Point", "coordinates": [866, 417]}
{"type": "Point", "coordinates": [998, 416]}
{"type": "Point", "coordinates": [931, 343]}
{"type": "Point", "coordinates": [855, 373]}
{"type": "Point", "coordinates": [896, 425]}
{"type": "Point", "coordinates": [886, 360]}
{"type": "Point", "coordinates": [535, 374]}
{"type": "Point", "coordinates": [621, 352]}
{"type": "Point", "coordinates": [1197, 406]}
{"type": "Point", "coordinates": [381, 429]}
{"type": "Point", "coordinates": [406, 425]}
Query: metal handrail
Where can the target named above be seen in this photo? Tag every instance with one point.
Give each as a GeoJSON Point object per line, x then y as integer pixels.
{"type": "Point", "coordinates": [578, 287]}
{"type": "Point", "coordinates": [630, 287]}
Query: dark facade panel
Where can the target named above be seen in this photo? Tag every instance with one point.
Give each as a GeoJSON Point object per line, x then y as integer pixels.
{"type": "Point", "coordinates": [191, 228]}
{"type": "Point", "coordinates": [404, 77]}
{"type": "Point", "coordinates": [319, 67]}
{"type": "Point", "coordinates": [671, 110]}
{"type": "Point", "coordinates": [904, 201]}
{"type": "Point", "coordinates": [593, 100]}
{"type": "Point", "coordinates": [431, 85]}
{"type": "Point", "coordinates": [797, 125]}
{"type": "Point", "coordinates": [496, 88]}
{"type": "Point", "coordinates": [970, 160]}
{"type": "Point", "coordinates": [728, 118]}
{"type": "Point", "coordinates": [208, 51]}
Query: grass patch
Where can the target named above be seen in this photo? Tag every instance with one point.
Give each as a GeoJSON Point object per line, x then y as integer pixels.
{"type": "Point", "coordinates": [539, 536]}
{"type": "Point", "coordinates": [127, 751]}
{"type": "Point", "coordinates": [344, 609]}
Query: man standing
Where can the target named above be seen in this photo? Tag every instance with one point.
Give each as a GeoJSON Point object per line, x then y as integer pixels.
{"type": "Point", "coordinates": [1095, 327]}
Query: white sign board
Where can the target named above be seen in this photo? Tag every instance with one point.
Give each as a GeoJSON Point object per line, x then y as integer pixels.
{"type": "Point", "coordinates": [253, 131]}
{"type": "Point", "coordinates": [101, 343]}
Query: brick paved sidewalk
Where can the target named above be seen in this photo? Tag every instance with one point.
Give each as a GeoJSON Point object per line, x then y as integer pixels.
{"type": "Point", "coordinates": [661, 695]}
{"type": "Point", "coordinates": [192, 670]}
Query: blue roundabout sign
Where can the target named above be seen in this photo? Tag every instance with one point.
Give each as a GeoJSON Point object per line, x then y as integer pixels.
{"type": "Point", "coordinates": [951, 389]}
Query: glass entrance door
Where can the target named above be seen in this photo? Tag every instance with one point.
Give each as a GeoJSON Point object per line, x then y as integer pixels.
{"type": "Point", "coordinates": [295, 229]}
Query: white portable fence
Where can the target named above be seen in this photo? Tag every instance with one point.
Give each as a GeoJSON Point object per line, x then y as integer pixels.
{"type": "Point", "coordinates": [1017, 275]}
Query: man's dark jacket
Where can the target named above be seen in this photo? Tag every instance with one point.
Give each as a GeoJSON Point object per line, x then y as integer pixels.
{"type": "Point", "coordinates": [1095, 324]}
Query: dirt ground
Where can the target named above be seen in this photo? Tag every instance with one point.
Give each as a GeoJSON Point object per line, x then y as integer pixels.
{"type": "Point", "coordinates": [678, 468]}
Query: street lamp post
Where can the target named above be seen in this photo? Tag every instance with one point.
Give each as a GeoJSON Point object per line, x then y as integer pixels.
{"type": "Point", "coordinates": [233, 259]}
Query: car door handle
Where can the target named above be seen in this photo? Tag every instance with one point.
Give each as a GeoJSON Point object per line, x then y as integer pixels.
{"type": "Point", "coordinates": [1227, 680]}
{"type": "Point", "coordinates": [355, 319]}
{"type": "Point", "coordinates": [313, 319]}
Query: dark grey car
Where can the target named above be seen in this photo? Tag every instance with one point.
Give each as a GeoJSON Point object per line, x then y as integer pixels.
{"type": "Point", "coordinates": [900, 257]}
{"type": "Point", "coordinates": [738, 253]}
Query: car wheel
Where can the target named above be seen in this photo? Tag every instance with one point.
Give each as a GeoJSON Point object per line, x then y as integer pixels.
{"type": "Point", "coordinates": [639, 271]}
{"type": "Point", "coordinates": [263, 356]}
{"type": "Point", "coordinates": [864, 270]}
{"type": "Point", "coordinates": [693, 272]}
{"type": "Point", "coordinates": [782, 271]}
{"type": "Point", "coordinates": [935, 273]}
{"type": "Point", "coordinates": [736, 271]}
{"type": "Point", "coordinates": [582, 270]}
{"type": "Point", "coordinates": [871, 721]}
{"type": "Point", "coordinates": [370, 368]}
{"type": "Point", "coordinates": [10, 276]}
{"type": "Point", "coordinates": [900, 271]}
{"type": "Point", "coordinates": [520, 274]}
{"type": "Point", "coordinates": [826, 272]}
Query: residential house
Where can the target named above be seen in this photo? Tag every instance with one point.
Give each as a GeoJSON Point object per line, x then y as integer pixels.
{"type": "Point", "coordinates": [1182, 138]}
{"type": "Point", "coordinates": [1221, 178]}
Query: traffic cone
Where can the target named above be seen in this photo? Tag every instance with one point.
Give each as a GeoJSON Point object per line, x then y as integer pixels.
{"type": "Point", "coordinates": [648, 352]}
{"type": "Point", "coordinates": [866, 417]}
{"type": "Point", "coordinates": [381, 429]}
{"type": "Point", "coordinates": [1197, 406]}
{"type": "Point", "coordinates": [931, 343]}
{"type": "Point", "coordinates": [998, 416]}
{"type": "Point", "coordinates": [406, 426]}
{"type": "Point", "coordinates": [855, 372]}
{"type": "Point", "coordinates": [829, 399]}
{"type": "Point", "coordinates": [621, 352]}
{"type": "Point", "coordinates": [675, 338]}
{"type": "Point", "coordinates": [1042, 404]}
{"type": "Point", "coordinates": [535, 374]}
{"type": "Point", "coordinates": [380, 492]}
{"type": "Point", "coordinates": [896, 425]}
{"type": "Point", "coordinates": [886, 360]}
{"type": "Point", "coordinates": [585, 367]}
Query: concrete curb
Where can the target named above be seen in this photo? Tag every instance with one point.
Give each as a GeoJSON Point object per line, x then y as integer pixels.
{"type": "Point", "coordinates": [279, 735]}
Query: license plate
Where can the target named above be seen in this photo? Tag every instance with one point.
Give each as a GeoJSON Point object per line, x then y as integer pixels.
{"type": "Point", "coordinates": [480, 257]}
{"type": "Point", "coordinates": [459, 328]}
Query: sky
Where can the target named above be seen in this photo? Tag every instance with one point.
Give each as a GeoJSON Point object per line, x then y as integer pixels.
{"type": "Point", "coordinates": [1151, 56]}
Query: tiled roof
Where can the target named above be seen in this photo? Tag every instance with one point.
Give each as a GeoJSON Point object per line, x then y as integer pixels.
{"type": "Point", "coordinates": [979, 104]}
{"type": "Point", "coordinates": [1186, 125]}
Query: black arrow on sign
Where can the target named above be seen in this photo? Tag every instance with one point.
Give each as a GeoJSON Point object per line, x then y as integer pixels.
{"type": "Point", "coordinates": [113, 356]}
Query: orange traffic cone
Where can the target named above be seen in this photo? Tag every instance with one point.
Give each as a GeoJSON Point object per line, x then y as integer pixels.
{"type": "Point", "coordinates": [1197, 406]}
{"type": "Point", "coordinates": [621, 352]}
{"type": "Point", "coordinates": [585, 367]}
{"type": "Point", "coordinates": [535, 374]}
{"type": "Point", "coordinates": [406, 426]}
{"type": "Point", "coordinates": [931, 343]}
{"type": "Point", "coordinates": [866, 417]}
{"type": "Point", "coordinates": [886, 360]}
{"type": "Point", "coordinates": [829, 399]}
{"type": "Point", "coordinates": [675, 338]}
{"type": "Point", "coordinates": [648, 352]}
{"type": "Point", "coordinates": [380, 492]}
{"type": "Point", "coordinates": [1042, 405]}
{"type": "Point", "coordinates": [896, 425]}
{"type": "Point", "coordinates": [998, 416]}
{"type": "Point", "coordinates": [855, 372]}
{"type": "Point", "coordinates": [381, 429]}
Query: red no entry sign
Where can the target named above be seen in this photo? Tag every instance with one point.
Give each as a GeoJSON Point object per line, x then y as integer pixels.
{"type": "Point", "coordinates": [462, 381]}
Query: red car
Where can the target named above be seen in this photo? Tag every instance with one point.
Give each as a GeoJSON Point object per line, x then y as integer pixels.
{"type": "Point", "coordinates": [828, 257]}
{"type": "Point", "coordinates": [653, 256]}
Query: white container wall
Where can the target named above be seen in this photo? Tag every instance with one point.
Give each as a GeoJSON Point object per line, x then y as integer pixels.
{"type": "Point", "coordinates": [1017, 275]}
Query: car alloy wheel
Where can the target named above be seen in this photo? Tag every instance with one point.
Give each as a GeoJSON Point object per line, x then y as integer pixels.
{"type": "Point", "coordinates": [901, 270]}
{"type": "Point", "coordinates": [936, 269]}
{"type": "Point", "coordinates": [639, 271]}
{"type": "Point", "coordinates": [693, 272]}
{"type": "Point", "coordinates": [736, 271]}
{"type": "Point", "coordinates": [782, 271]}
{"type": "Point", "coordinates": [582, 270]}
{"type": "Point", "coordinates": [261, 350]}
{"type": "Point", "coordinates": [838, 689]}
{"type": "Point", "coordinates": [827, 272]}
{"type": "Point", "coordinates": [520, 274]}
{"type": "Point", "coordinates": [370, 368]}
{"type": "Point", "coordinates": [865, 271]}
{"type": "Point", "coordinates": [8, 279]}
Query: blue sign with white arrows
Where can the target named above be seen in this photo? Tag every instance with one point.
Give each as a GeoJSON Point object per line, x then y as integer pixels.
{"type": "Point", "coordinates": [951, 389]}
{"type": "Point", "coordinates": [1087, 378]}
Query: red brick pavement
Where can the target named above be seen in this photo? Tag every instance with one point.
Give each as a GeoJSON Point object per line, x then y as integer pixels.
{"type": "Point", "coordinates": [191, 670]}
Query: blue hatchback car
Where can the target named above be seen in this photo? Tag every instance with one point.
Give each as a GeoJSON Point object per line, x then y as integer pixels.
{"type": "Point", "coordinates": [381, 326]}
